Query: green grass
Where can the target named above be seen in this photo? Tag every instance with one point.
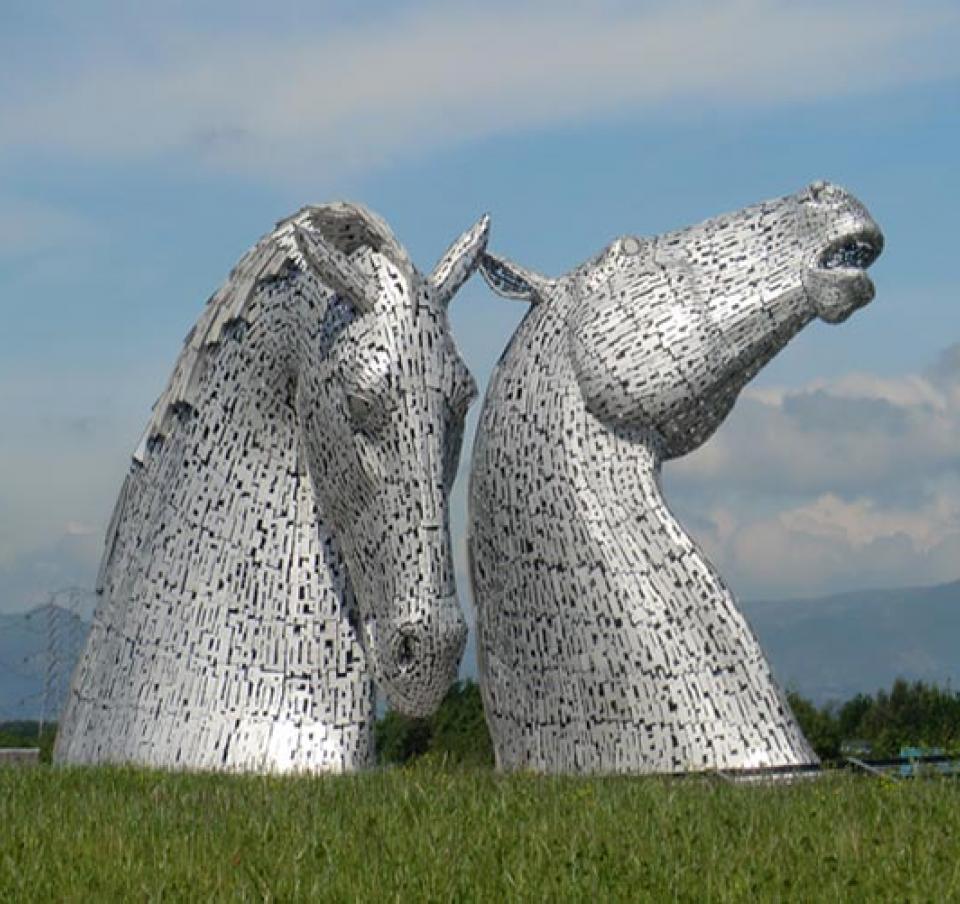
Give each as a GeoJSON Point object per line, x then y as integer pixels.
{"type": "Point", "coordinates": [436, 834]}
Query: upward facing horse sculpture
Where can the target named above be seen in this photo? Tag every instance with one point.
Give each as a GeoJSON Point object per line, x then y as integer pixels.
{"type": "Point", "coordinates": [606, 641]}
{"type": "Point", "coordinates": [282, 539]}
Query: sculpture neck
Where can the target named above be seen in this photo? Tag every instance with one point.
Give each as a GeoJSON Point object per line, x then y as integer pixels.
{"type": "Point", "coordinates": [637, 532]}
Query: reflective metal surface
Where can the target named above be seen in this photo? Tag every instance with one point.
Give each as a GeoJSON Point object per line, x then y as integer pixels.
{"type": "Point", "coordinates": [282, 539]}
{"type": "Point", "coordinates": [606, 640]}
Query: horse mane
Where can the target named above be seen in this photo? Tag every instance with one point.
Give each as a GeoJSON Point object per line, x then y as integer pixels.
{"type": "Point", "coordinates": [346, 226]}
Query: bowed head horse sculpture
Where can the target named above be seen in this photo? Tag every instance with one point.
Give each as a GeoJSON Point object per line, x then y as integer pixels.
{"type": "Point", "coordinates": [281, 542]}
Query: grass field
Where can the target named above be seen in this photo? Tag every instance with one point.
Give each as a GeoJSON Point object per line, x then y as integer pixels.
{"type": "Point", "coordinates": [436, 834]}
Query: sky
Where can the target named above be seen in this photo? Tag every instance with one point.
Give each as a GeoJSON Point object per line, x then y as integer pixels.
{"type": "Point", "coordinates": [144, 148]}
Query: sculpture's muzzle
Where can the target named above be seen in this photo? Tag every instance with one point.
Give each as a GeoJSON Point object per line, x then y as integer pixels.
{"type": "Point", "coordinates": [416, 656]}
{"type": "Point", "coordinates": [836, 280]}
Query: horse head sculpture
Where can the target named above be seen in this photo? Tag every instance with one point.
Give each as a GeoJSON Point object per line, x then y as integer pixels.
{"type": "Point", "coordinates": [282, 540]}
{"type": "Point", "coordinates": [667, 331]}
{"type": "Point", "coordinates": [382, 403]}
{"type": "Point", "coordinates": [606, 641]}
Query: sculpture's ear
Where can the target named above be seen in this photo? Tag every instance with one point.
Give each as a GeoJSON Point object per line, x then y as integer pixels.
{"type": "Point", "coordinates": [460, 260]}
{"type": "Point", "coordinates": [513, 281]}
{"type": "Point", "coordinates": [335, 269]}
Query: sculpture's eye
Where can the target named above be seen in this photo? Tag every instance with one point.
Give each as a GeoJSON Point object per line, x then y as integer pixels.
{"type": "Point", "coordinates": [367, 415]}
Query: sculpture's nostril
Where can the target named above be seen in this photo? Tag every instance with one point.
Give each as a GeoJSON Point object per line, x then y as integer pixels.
{"type": "Point", "coordinates": [407, 649]}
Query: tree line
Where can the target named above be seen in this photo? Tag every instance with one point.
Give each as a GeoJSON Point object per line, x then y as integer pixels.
{"type": "Point", "coordinates": [915, 714]}
{"type": "Point", "coordinates": [27, 733]}
{"type": "Point", "coordinates": [910, 714]}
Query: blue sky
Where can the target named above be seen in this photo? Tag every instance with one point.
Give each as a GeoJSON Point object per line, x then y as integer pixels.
{"type": "Point", "coordinates": [144, 148]}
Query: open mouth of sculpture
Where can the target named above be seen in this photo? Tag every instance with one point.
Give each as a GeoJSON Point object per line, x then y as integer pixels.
{"type": "Point", "coordinates": [837, 283]}
{"type": "Point", "coordinates": [852, 252]}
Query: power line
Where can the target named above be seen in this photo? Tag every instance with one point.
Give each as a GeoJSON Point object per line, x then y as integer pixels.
{"type": "Point", "coordinates": [62, 624]}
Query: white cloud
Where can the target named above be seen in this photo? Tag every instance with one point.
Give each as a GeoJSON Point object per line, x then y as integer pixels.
{"type": "Point", "coordinates": [858, 433]}
{"type": "Point", "coordinates": [863, 522]}
{"type": "Point", "coordinates": [357, 95]}
{"type": "Point", "coordinates": [848, 483]}
{"type": "Point", "coordinates": [831, 544]}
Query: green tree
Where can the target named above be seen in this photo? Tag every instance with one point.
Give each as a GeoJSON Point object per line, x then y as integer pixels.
{"type": "Point", "coordinates": [27, 733]}
{"type": "Point", "coordinates": [399, 738]}
{"type": "Point", "coordinates": [819, 725]}
{"type": "Point", "coordinates": [457, 731]}
{"type": "Point", "coordinates": [851, 714]}
{"type": "Point", "coordinates": [460, 728]}
{"type": "Point", "coordinates": [910, 714]}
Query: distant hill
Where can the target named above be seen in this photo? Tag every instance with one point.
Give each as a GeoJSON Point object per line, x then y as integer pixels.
{"type": "Point", "coordinates": [834, 647]}
{"type": "Point", "coordinates": [828, 648]}
{"type": "Point", "coordinates": [38, 650]}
